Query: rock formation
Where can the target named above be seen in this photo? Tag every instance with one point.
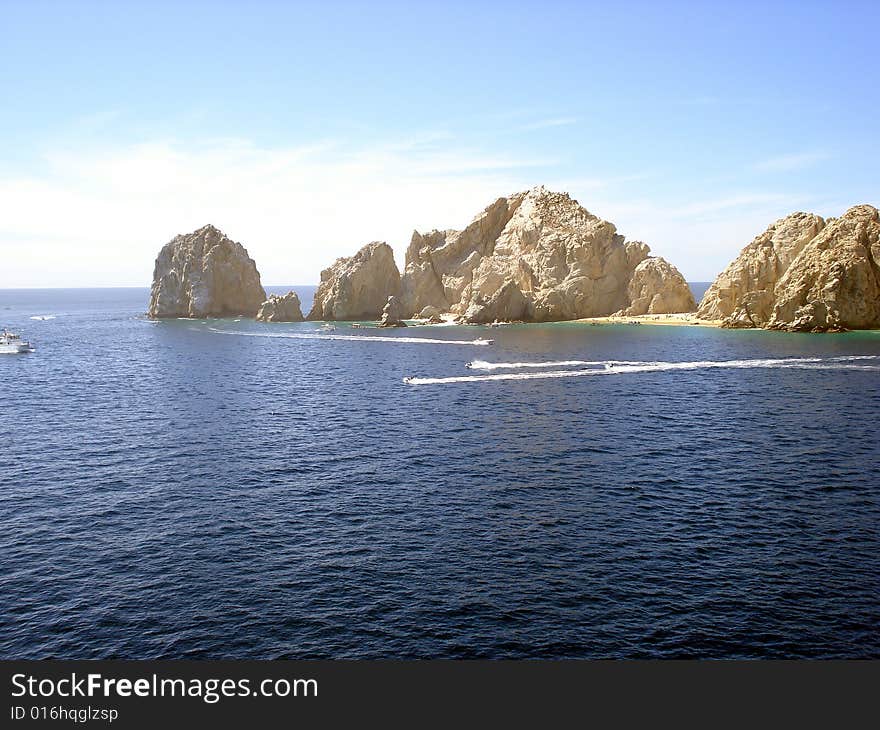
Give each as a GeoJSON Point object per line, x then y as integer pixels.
{"type": "Point", "coordinates": [744, 293]}
{"type": "Point", "coordinates": [507, 304]}
{"type": "Point", "coordinates": [803, 274]}
{"type": "Point", "coordinates": [537, 256]}
{"type": "Point", "coordinates": [431, 315]}
{"type": "Point", "coordinates": [357, 287]}
{"type": "Point", "coordinates": [392, 314]}
{"type": "Point", "coordinates": [440, 264]}
{"type": "Point", "coordinates": [657, 287]}
{"type": "Point", "coordinates": [204, 274]}
{"type": "Point", "coordinates": [281, 309]}
{"type": "Point", "coordinates": [430, 312]}
{"type": "Point", "coordinates": [834, 283]}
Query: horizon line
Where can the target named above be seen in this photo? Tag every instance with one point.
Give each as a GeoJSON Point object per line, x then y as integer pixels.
{"type": "Point", "coordinates": [273, 286]}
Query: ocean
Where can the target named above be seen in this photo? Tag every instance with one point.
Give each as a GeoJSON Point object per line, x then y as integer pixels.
{"type": "Point", "coordinates": [232, 489]}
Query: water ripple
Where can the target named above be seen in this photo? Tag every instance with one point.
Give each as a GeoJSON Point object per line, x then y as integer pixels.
{"type": "Point", "coordinates": [168, 492]}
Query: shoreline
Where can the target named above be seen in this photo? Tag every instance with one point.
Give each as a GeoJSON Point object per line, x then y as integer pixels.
{"type": "Point", "coordinates": [678, 319]}
{"type": "Point", "coordinates": [683, 318]}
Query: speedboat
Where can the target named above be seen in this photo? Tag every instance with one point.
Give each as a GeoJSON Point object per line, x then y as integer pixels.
{"type": "Point", "coordinates": [12, 344]}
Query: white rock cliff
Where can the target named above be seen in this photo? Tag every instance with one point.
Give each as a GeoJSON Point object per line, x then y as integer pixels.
{"type": "Point", "coordinates": [834, 283]}
{"type": "Point", "coordinates": [744, 293]}
{"type": "Point", "coordinates": [357, 287]}
{"type": "Point", "coordinates": [537, 256]}
{"type": "Point", "coordinates": [804, 274]}
{"type": "Point", "coordinates": [205, 274]}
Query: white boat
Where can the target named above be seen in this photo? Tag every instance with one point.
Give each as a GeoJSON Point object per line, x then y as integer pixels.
{"type": "Point", "coordinates": [12, 344]}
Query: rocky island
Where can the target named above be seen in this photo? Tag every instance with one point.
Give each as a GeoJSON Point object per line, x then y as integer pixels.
{"type": "Point", "coordinates": [803, 274]}
{"type": "Point", "coordinates": [539, 256]}
{"type": "Point", "coordinates": [285, 308]}
{"type": "Point", "coordinates": [205, 274]}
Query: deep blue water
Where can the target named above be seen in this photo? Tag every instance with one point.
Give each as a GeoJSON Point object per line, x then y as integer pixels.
{"type": "Point", "coordinates": [170, 491]}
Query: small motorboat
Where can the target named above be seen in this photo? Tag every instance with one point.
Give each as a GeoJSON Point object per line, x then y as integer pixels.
{"type": "Point", "coordinates": [12, 344]}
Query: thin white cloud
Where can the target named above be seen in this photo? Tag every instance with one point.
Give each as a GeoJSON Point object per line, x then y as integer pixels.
{"type": "Point", "coordinates": [547, 124]}
{"type": "Point", "coordinates": [423, 140]}
{"type": "Point", "coordinates": [792, 162]}
{"type": "Point", "coordinates": [710, 206]}
{"type": "Point", "coordinates": [98, 218]}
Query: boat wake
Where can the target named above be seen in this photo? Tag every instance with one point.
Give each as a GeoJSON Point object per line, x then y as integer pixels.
{"type": "Point", "coordinates": [354, 338]}
{"type": "Point", "coordinates": [483, 365]}
{"type": "Point", "coordinates": [612, 367]}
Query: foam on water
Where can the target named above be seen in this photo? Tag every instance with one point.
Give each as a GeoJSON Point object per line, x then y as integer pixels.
{"type": "Point", "coordinates": [354, 338]}
{"type": "Point", "coordinates": [483, 365]}
{"type": "Point", "coordinates": [612, 368]}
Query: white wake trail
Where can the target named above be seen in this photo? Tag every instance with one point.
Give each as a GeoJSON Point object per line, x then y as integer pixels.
{"type": "Point", "coordinates": [479, 342]}
{"type": "Point", "coordinates": [803, 363]}
{"type": "Point", "coordinates": [483, 365]}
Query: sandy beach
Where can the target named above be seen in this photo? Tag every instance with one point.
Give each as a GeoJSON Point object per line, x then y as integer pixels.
{"type": "Point", "coordinates": [685, 318]}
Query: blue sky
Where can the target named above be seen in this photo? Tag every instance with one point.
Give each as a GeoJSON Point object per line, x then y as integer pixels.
{"type": "Point", "coordinates": [307, 129]}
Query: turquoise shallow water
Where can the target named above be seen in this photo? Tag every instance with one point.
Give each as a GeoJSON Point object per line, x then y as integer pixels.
{"type": "Point", "coordinates": [170, 490]}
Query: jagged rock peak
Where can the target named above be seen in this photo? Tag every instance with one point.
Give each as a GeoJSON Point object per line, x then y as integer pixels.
{"type": "Point", "coordinates": [284, 308]}
{"type": "Point", "coordinates": [743, 295]}
{"type": "Point", "coordinates": [357, 287]}
{"type": "Point", "coordinates": [563, 261]}
{"type": "Point", "coordinates": [834, 283]}
{"type": "Point", "coordinates": [438, 263]}
{"type": "Point", "coordinates": [204, 274]}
